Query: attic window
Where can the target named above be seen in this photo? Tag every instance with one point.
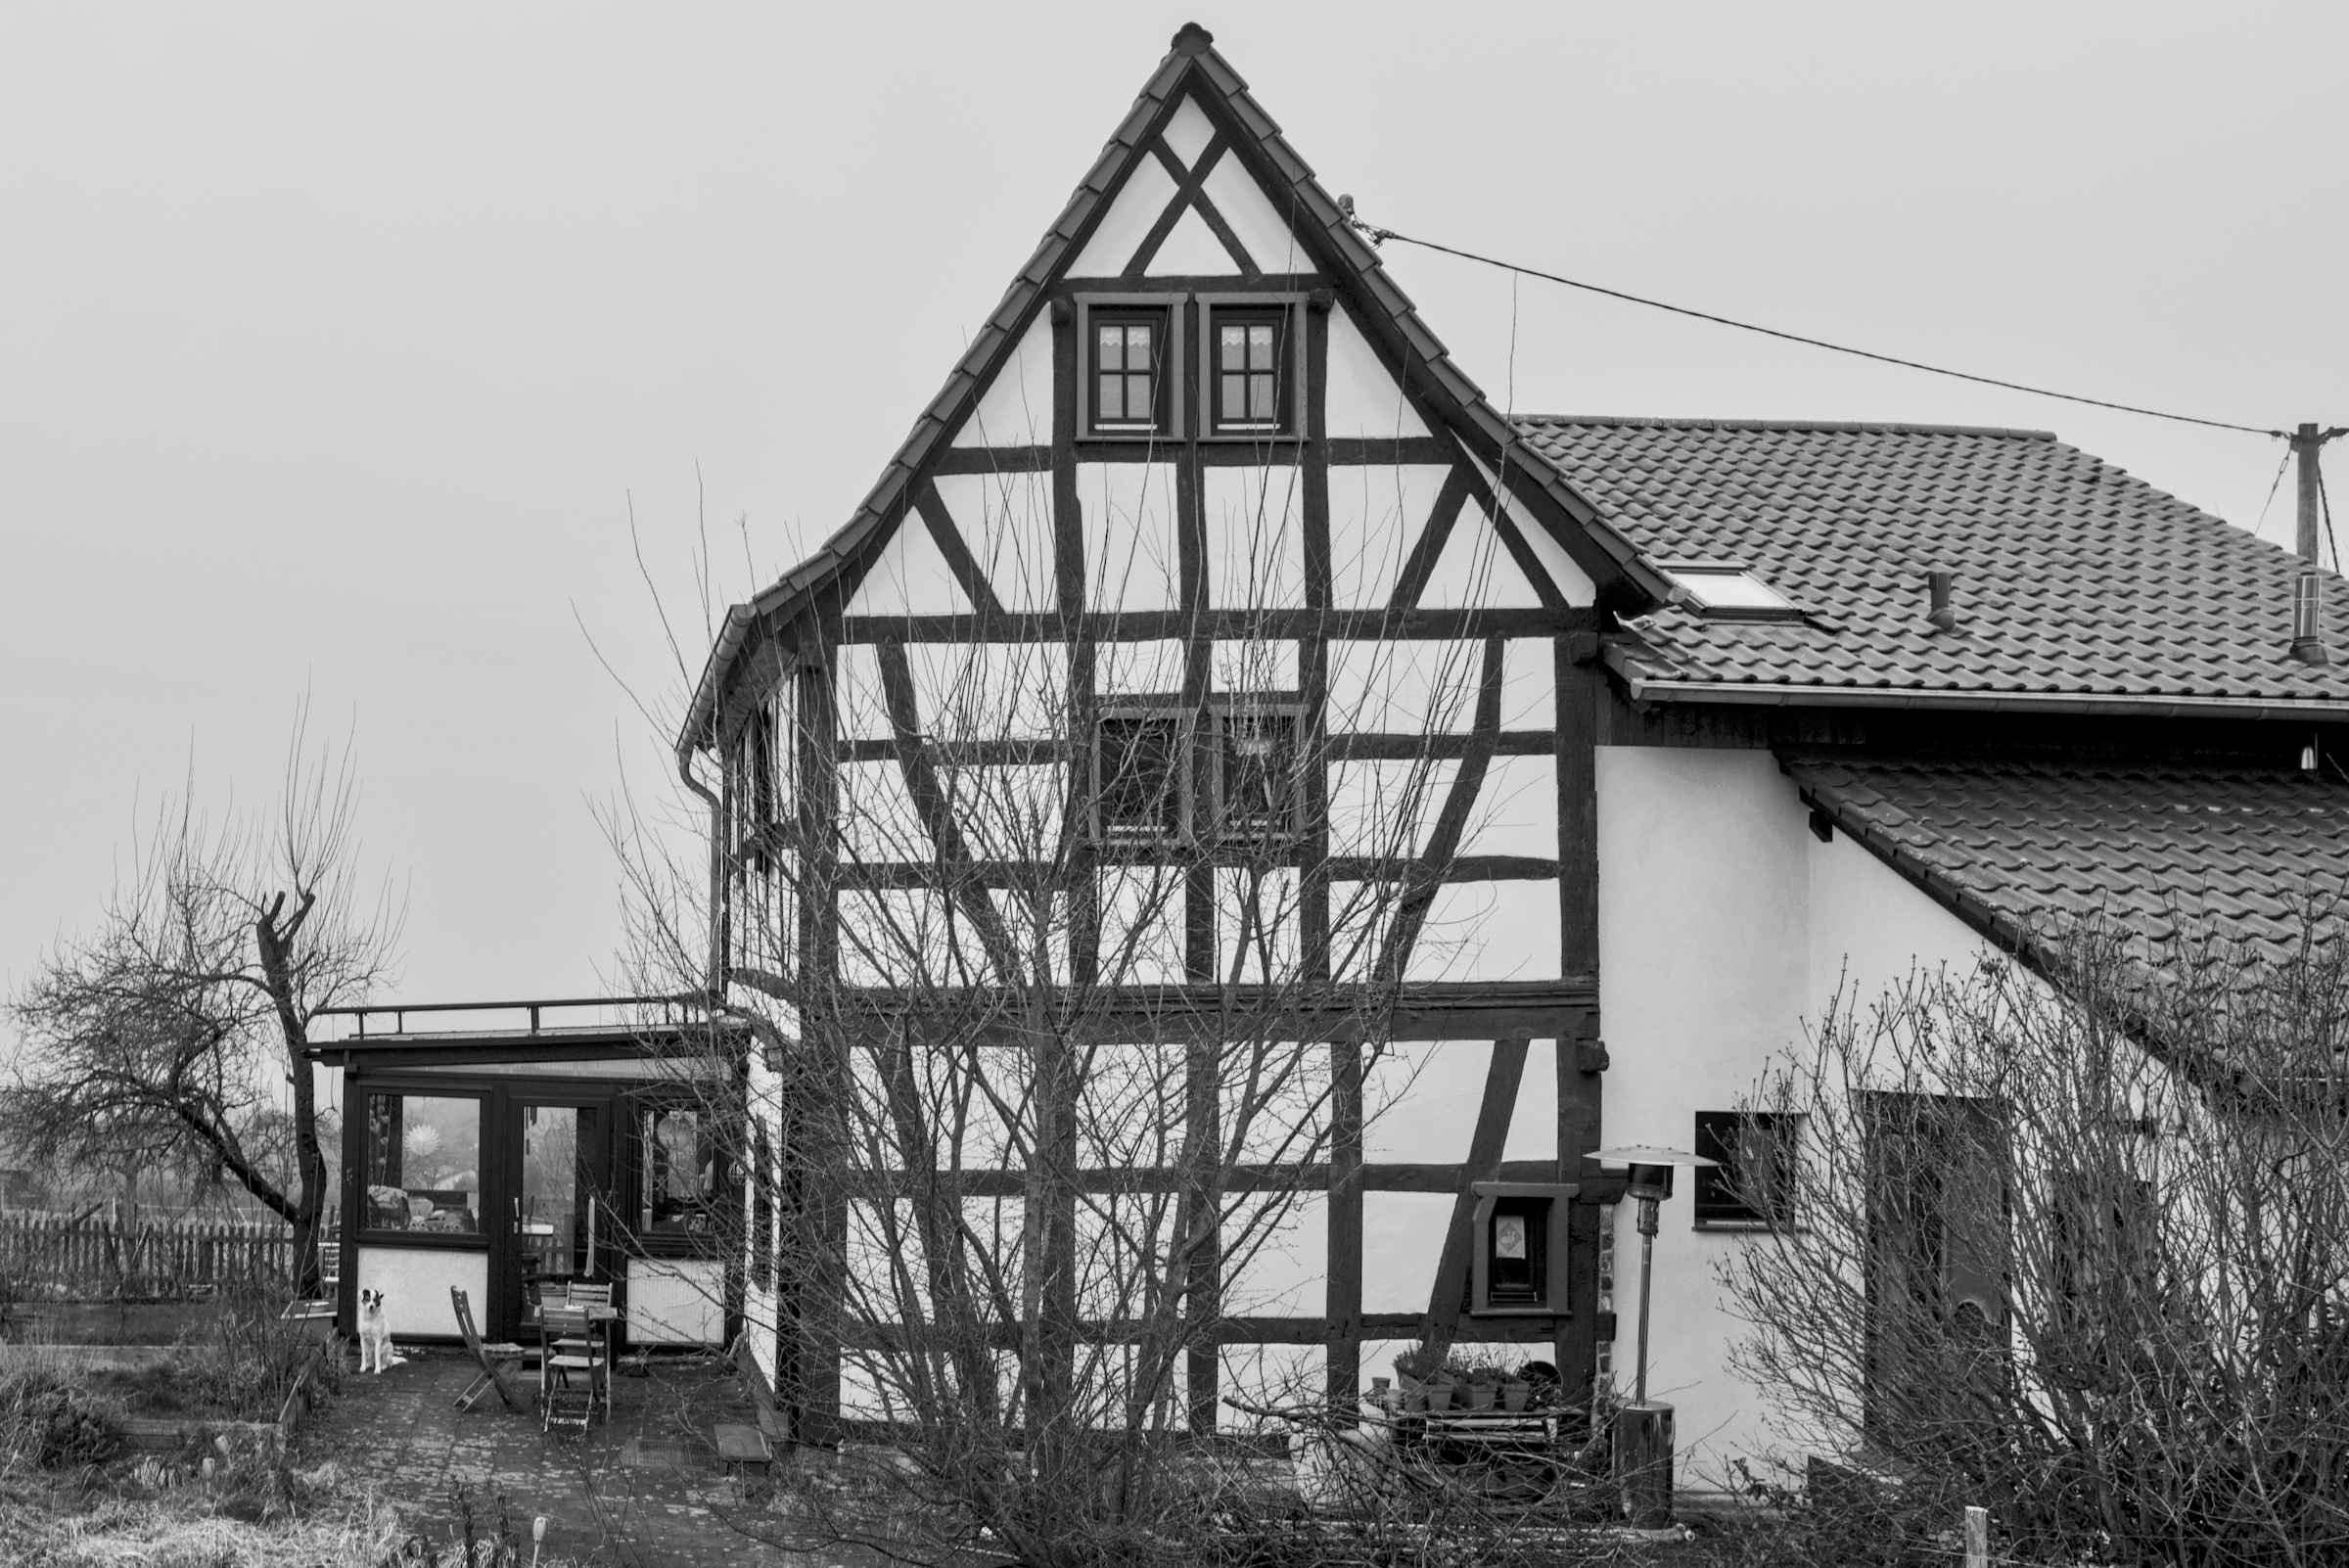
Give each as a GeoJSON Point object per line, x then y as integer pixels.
{"type": "Point", "coordinates": [1129, 389]}
{"type": "Point", "coordinates": [1729, 591]}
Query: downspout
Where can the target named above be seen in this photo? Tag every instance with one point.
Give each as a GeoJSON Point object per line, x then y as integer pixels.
{"type": "Point", "coordinates": [715, 981]}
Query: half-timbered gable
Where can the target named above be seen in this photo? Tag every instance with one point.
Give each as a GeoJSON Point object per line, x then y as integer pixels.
{"type": "Point", "coordinates": [1206, 488]}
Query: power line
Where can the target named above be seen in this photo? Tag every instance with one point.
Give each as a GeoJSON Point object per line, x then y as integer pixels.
{"type": "Point", "coordinates": [1379, 235]}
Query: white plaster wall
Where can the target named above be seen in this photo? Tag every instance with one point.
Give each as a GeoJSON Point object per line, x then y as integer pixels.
{"type": "Point", "coordinates": [1723, 925]}
{"type": "Point", "coordinates": [1363, 400]}
{"type": "Point", "coordinates": [415, 1283]}
{"type": "Point", "coordinates": [1016, 409]}
{"type": "Point", "coordinates": [1122, 229]}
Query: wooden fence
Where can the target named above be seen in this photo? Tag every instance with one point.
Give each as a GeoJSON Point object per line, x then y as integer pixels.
{"type": "Point", "coordinates": [97, 1256]}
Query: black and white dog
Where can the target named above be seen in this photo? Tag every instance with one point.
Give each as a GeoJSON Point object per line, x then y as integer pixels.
{"type": "Point", "coordinates": [375, 1334]}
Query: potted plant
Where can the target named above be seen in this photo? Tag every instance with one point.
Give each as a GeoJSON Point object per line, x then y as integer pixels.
{"type": "Point", "coordinates": [1516, 1389]}
{"type": "Point", "coordinates": [1415, 1369]}
{"type": "Point", "coordinates": [1484, 1386]}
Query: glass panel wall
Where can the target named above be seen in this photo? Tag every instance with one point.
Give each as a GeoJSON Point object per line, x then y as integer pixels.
{"type": "Point", "coordinates": [424, 1163]}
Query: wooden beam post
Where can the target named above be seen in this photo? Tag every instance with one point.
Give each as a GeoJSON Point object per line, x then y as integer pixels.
{"type": "Point", "coordinates": [1447, 1299]}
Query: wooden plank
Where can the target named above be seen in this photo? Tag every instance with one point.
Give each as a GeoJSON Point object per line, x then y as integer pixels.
{"type": "Point", "coordinates": [1148, 625]}
{"type": "Point", "coordinates": [1450, 1287]}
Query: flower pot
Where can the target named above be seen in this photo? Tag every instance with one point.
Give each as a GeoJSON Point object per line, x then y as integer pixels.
{"type": "Point", "coordinates": [1514, 1396]}
{"type": "Point", "coordinates": [1480, 1397]}
{"type": "Point", "coordinates": [1411, 1391]}
{"type": "Point", "coordinates": [1439, 1398]}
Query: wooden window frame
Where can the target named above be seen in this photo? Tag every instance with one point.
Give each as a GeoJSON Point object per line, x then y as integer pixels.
{"type": "Point", "coordinates": [1185, 726]}
{"type": "Point", "coordinates": [1169, 392]}
{"type": "Point", "coordinates": [368, 1235]}
{"type": "Point", "coordinates": [1293, 389]}
{"type": "Point", "coordinates": [1558, 1296]}
{"type": "Point", "coordinates": [1716, 1210]}
{"type": "Point", "coordinates": [1225, 711]}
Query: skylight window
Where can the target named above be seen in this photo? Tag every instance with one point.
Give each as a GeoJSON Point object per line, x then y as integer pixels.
{"type": "Point", "coordinates": [1729, 591]}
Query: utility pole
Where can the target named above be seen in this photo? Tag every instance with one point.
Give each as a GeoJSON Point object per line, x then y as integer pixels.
{"type": "Point", "coordinates": [2308, 590]}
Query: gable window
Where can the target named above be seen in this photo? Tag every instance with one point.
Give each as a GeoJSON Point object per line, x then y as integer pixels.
{"type": "Point", "coordinates": [1251, 364]}
{"type": "Point", "coordinates": [1257, 772]}
{"type": "Point", "coordinates": [1729, 590]}
{"type": "Point", "coordinates": [1752, 1188]}
{"type": "Point", "coordinates": [1130, 382]}
{"type": "Point", "coordinates": [1140, 776]}
{"type": "Point", "coordinates": [1248, 378]}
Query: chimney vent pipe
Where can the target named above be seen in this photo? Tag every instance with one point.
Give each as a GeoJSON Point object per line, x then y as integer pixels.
{"type": "Point", "coordinates": [1944, 614]}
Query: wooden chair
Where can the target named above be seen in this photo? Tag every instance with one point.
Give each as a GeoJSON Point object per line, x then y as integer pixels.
{"type": "Point", "coordinates": [499, 1362]}
{"type": "Point", "coordinates": [560, 1403]}
{"type": "Point", "coordinates": [578, 1293]}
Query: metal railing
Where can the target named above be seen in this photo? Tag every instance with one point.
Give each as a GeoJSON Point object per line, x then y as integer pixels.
{"type": "Point", "coordinates": [659, 1011]}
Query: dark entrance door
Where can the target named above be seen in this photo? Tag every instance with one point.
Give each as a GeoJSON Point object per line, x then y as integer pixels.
{"type": "Point", "coordinates": [561, 1226]}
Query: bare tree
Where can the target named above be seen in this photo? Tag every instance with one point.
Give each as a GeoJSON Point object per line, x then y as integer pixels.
{"type": "Point", "coordinates": [1068, 965]}
{"type": "Point", "coordinates": [2073, 1245]}
{"type": "Point", "coordinates": [176, 1030]}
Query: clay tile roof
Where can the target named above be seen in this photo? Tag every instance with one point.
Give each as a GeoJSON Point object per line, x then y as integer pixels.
{"type": "Point", "coordinates": [2018, 848]}
{"type": "Point", "coordinates": [2073, 577]}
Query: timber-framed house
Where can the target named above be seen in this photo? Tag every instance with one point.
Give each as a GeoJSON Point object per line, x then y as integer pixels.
{"type": "Point", "coordinates": [1209, 551]}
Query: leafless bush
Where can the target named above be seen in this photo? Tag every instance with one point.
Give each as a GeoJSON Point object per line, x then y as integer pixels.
{"type": "Point", "coordinates": [2073, 1245]}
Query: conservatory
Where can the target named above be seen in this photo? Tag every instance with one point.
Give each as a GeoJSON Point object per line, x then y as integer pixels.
{"type": "Point", "coordinates": [495, 1147]}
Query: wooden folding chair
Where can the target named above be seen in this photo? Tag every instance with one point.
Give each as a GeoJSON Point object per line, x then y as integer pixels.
{"type": "Point", "coordinates": [560, 1401]}
{"type": "Point", "coordinates": [499, 1362]}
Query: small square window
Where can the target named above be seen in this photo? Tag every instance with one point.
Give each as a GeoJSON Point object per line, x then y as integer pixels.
{"type": "Point", "coordinates": [1250, 385]}
{"type": "Point", "coordinates": [1249, 366]}
{"type": "Point", "coordinates": [1257, 768]}
{"type": "Point", "coordinates": [1752, 1187]}
{"type": "Point", "coordinates": [1139, 777]}
{"type": "Point", "coordinates": [1129, 383]}
{"type": "Point", "coordinates": [1729, 591]}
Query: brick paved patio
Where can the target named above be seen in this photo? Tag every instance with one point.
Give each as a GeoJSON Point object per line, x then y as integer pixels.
{"type": "Point", "coordinates": [646, 1487]}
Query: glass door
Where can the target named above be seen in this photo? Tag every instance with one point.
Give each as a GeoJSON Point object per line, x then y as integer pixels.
{"type": "Point", "coordinates": [562, 1221]}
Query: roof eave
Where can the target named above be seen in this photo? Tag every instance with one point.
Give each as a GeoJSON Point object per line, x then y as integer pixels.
{"type": "Point", "coordinates": [1643, 688]}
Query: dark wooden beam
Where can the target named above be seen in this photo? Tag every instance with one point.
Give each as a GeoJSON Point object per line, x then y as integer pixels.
{"type": "Point", "coordinates": [1259, 624]}
{"type": "Point", "coordinates": [950, 544]}
{"type": "Point", "coordinates": [1315, 1176]}
{"type": "Point", "coordinates": [1300, 1330]}
{"type": "Point", "coordinates": [1448, 1295]}
{"type": "Point", "coordinates": [1452, 822]}
{"type": "Point", "coordinates": [1176, 1015]}
{"type": "Point", "coordinates": [868, 874]}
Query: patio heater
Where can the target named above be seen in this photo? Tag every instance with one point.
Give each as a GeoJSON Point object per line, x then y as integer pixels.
{"type": "Point", "coordinates": [1644, 1428]}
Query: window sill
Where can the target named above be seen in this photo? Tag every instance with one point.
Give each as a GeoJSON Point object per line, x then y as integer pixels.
{"type": "Point", "coordinates": [1747, 1225]}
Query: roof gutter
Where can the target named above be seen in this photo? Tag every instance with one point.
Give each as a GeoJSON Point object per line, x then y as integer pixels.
{"type": "Point", "coordinates": [1644, 689]}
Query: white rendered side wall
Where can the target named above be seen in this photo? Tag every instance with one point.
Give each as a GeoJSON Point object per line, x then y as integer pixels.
{"type": "Point", "coordinates": [1724, 926]}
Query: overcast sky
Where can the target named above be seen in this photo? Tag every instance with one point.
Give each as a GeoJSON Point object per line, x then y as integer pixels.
{"type": "Point", "coordinates": [337, 342]}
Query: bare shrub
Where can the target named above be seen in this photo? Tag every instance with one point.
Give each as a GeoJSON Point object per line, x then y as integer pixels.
{"type": "Point", "coordinates": [2072, 1245]}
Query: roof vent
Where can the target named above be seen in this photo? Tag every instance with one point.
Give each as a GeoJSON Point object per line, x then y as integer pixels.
{"type": "Point", "coordinates": [2308, 619]}
{"type": "Point", "coordinates": [1944, 614]}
